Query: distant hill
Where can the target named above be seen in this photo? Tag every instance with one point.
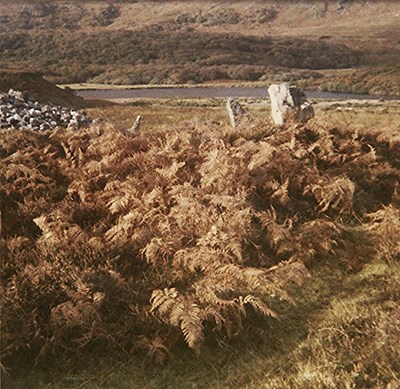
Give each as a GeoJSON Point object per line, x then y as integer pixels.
{"type": "Point", "coordinates": [141, 42]}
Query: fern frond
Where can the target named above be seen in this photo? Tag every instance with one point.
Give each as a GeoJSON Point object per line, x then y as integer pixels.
{"type": "Point", "coordinates": [222, 242]}
{"type": "Point", "coordinates": [157, 251]}
{"type": "Point", "coordinates": [384, 227]}
{"type": "Point", "coordinates": [119, 202]}
{"type": "Point", "coordinates": [211, 314]}
{"type": "Point", "coordinates": [162, 301]}
{"type": "Point", "coordinates": [55, 231]}
{"type": "Point", "coordinates": [170, 171]}
{"type": "Point", "coordinates": [179, 311]}
{"type": "Point", "coordinates": [281, 192]}
{"type": "Point", "coordinates": [336, 195]}
{"type": "Point", "coordinates": [279, 236]}
{"type": "Point", "coordinates": [249, 277]}
{"type": "Point", "coordinates": [263, 156]}
{"type": "Point", "coordinates": [73, 151]}
{"type": "Point", "coordinates": [156, 349]}
{"type": "Point", "coordinates": [258, 305]}
{"type": "Point", "coordinates": [317, 238]}
{"type": "Point", "coordinates": [190, 321]}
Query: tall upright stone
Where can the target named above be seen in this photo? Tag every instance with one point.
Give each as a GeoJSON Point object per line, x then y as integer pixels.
{"type": "Point", "coordinates": [136, 126]}
{"type": "Point", "coordinates": [237, 114]}
{"type": "Point", "coordinates": [289, 102]}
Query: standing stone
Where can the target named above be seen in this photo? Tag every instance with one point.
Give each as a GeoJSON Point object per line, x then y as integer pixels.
{"type": "Point", "coordinates": [289, 102]}
{"type": "Point", "coordinates": [237, 114]}
{"type": "Point", "coordinates": [136, 126]}
{"type": "Point", "coordinates": [135, 129]}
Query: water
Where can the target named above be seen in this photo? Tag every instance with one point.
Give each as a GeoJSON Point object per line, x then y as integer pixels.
{"type": "Point", "coordinates": [210, 92]}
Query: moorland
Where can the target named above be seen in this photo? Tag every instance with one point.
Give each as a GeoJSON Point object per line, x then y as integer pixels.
{"type": "Point", "coordinates": [193, 254]}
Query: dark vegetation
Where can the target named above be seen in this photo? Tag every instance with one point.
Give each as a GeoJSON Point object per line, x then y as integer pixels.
{"type": "Point", "coordinates": [136, 245]}
{"type": "Point", "coordinates": [159, 56]}
{"type": "Point", "coordinates": [49, 15]}
{"type": "Point", "coordinates": [73, 42]}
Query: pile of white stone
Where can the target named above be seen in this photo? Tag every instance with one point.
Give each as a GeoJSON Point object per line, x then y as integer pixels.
{"type": "Point", "coordinates": [18, 111]}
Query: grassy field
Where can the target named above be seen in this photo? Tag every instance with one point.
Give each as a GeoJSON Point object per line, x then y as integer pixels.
{"type": "Point", "coordinates": [165, 113]}
{"type": "Point", "coordinates": [342, 333]}
{"type": "Point", "coordinates": [339, 328]}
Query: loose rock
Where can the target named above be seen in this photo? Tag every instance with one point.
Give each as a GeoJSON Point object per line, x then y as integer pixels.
{"type": "Point", "coordinates": [18, 111]}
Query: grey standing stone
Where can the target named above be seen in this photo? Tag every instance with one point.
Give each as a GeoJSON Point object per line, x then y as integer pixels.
{"type": "Point", "coordinates": [289, 102]}
{"type": "Point", "coordinates": [135, 129]}
{"type": "Point", "coordinates": [237, 114]}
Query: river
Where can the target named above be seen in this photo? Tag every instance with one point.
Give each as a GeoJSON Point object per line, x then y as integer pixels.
{"type": "Point", "coordinates": [199, 92]}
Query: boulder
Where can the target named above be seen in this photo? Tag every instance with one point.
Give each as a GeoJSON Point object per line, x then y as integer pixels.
{"type": "Point", "coordinates": [289, 102]}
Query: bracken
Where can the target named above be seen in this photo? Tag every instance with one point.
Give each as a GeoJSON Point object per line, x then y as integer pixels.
{"type": "Point", "coordinates": [135, 242]}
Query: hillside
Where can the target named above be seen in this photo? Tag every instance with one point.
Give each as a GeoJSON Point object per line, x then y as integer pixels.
{"type": "Point", "coordinates": [171, 42]}
{"type": "Point", "coordinates": [36, 86]}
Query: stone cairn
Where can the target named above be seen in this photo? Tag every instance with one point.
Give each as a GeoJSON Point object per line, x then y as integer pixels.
{"type": "Point", "coordinates": [237, 114]}
{"type": "Point", "coordinates": [19, 111]}
{"type": "Point", "coordinates": [289, 102]}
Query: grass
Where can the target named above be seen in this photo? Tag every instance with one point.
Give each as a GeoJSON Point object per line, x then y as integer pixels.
{"type": "Point", "coordinates": [164, 113]}
{"type": "Point", "coordinates": [342, 334]}
{"type": "Point", "coordinates": [94, 86]}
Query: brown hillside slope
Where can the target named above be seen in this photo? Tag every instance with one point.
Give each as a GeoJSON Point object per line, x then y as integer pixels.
{"type": "Point", "coordinates": [40, 89]}
{"type": "Point", "coordinates": [44, 91]}
{"type": "Point", "coordinates": [142, 42]}
{"type": "Point", "coordinates": [340, 19]}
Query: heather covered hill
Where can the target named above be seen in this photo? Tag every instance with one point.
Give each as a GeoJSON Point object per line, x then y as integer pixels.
{"type": "Point", "coordinates": [196, 41]}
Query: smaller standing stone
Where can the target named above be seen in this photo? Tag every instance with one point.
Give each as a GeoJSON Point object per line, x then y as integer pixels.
{"type": "Point", "coordinates": [237, 114]}
{"type": "Point", "coordinates": [289, 102]}
{"type": "Point", "coordinates": [135, 129]}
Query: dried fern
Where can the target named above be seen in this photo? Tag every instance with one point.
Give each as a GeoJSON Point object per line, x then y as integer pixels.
{"type": "Point", "coordinates": [207, 226]}
{"type": "Point", "coordinates": [336, 195]}
{"type": "Point", "coordinates": [384, 226]}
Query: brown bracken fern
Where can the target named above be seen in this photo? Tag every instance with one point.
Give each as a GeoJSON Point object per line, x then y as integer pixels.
{"type": "Point", "coordinates": [136, 242]}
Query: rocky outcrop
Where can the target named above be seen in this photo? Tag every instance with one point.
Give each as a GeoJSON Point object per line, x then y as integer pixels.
{"type": "Point", "coordinates": [237, 114]}
{"type": "Point", "coordinates": [289, 102]}
{"type": "Point", "coordinates": [18, 111]}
